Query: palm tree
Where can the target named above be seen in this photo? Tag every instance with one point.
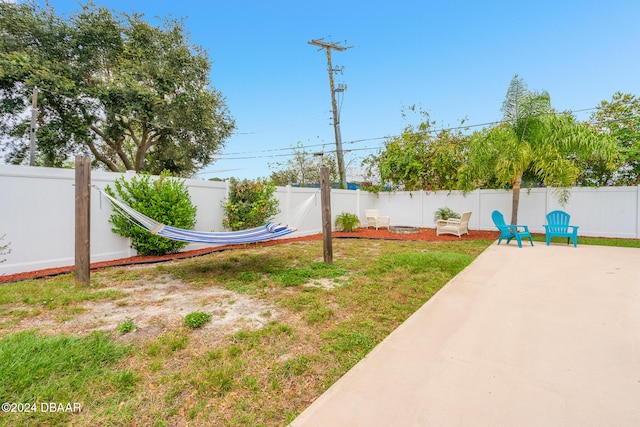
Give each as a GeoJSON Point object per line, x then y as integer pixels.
{"type": "Point", "coordinates": [534, 139]}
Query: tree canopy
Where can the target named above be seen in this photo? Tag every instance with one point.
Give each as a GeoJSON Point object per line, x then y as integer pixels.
{"type": "Point", "coordinates": [533, 143]}
{"type": "Point", "coordinates": [533, 139]}
{"type": "Point", "coordinates": [619, 118]}
{"type": "Point", "coordinates": [303, 168]}
{"type": "Point", "coordinates": [420, 158]}
{"type": "Point", "coordinates": [135, 96]}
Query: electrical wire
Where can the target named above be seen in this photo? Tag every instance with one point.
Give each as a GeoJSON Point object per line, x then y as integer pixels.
{"type": "Point", "coordinates": [222, 156]}
{"type": "Point", "coordinates": [461, 127]}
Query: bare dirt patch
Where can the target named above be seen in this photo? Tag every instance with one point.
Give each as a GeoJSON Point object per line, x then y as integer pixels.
{"type": "Point", "coordinates": [326, 283]}
{"type": "Point", "coordinates": [162, 305]}
{"type": "Point", "coordinates": [156, 307]}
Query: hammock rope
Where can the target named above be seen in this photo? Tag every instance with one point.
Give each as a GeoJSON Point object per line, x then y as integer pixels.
{"type": "Point", "coordinates": [268, 231]}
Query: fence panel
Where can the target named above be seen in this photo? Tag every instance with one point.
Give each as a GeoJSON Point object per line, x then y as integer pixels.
{"type": "Point", "coordinates": [605, 211]}
{"type": "Point", "coordinates": [300, 208]}
{"type": "Point", "coordinates": [353, 202]}
{"type": "Point", "coordinates": [403, 207]}
{"type": "Point", "coordinates": [38, 217]}
{"type": "Point", "coordinates": [37, 212]}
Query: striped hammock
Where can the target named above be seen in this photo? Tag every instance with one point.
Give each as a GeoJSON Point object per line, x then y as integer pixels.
{"type": "Point", "coordinates": [259, 234]}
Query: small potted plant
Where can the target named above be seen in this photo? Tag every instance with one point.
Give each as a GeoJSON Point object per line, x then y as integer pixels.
{"type": "Point", "coordinates": [444, 214]}
{"type": "Point", "coordinates": [347, 222]}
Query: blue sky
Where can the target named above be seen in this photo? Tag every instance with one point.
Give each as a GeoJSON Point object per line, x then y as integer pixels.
{"type": "Point", "coordinates": [454, 59]}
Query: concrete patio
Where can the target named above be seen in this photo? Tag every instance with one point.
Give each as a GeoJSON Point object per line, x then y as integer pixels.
{"type": "Point", "coordinates": [539, 336]}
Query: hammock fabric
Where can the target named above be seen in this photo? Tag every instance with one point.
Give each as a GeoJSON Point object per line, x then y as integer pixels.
{"type": "Point", "coordinates": [266, 232]}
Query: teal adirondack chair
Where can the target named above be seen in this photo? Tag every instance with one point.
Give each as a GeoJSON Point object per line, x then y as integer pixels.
{"type": "Point", "coordinates": [558, 226]}
{"type": "Point", "coordinates": [509, 232]}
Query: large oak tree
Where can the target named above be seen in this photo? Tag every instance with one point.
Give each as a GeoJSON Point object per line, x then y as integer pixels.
{"type": "Point", "coordinates": [135, 96]}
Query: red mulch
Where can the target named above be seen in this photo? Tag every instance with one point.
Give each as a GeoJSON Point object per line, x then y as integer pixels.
{"type": "Point", "coordinates": [426, 234]}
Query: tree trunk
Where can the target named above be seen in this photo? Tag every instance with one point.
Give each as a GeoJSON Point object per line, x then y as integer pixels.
{"type": "Point", "coordinates": [515, 201]}
{"type": "Point", "coordinates": [101, 158]}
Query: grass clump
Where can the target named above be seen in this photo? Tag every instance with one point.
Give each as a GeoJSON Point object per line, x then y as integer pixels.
{"type": "Point", "coordinates": [197, 319]}
{"type": "Point", "coordinates": [126, 326]}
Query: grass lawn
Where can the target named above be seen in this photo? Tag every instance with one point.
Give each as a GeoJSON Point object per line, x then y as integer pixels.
{"type": "Point", "coordinates": [267, 331]}
{"type": "Point", "coordinates": [598, 241]}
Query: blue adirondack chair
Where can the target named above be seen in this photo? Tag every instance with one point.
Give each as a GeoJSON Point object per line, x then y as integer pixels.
{"type": "Point", "coordinates": [510, 231]}
{"type": "Point", "coordinates": [558, 226]}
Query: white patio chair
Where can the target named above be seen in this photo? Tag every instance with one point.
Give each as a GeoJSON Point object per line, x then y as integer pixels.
{"type": "Point", "coordinates": [453, 225]}
{"type": "Point", "coordinates": [375, 220]}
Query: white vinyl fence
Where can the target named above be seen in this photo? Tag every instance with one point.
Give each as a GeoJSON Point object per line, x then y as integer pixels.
{"type": "Point", "coordinates": [37, 212]}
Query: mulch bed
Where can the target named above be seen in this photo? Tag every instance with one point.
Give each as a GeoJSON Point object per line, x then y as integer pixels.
{"type": "Point", "coordinates": [426, 234]}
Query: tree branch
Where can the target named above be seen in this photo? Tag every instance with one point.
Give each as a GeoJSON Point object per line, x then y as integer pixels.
{"type": "Point", "coordinates": [117, 147]}
{"type": "Point", "coordinates": [123, 156]}
{"type": "Point", "coordinates": [133, 136]}
{"type": "Point", "coordinates": [102, 158]}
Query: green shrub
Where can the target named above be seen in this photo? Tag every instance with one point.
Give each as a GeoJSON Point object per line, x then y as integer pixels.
{"type": "Point", "coordinates": [347, 222]}
{"type": "Point", "coordinates": [197, 319]}
{"type": "Point", "coordinates": [251, 204]}
{"type": "Point", "coordinates": [445, 213]}
{"type": "Point", "coordinates": [165, 200]}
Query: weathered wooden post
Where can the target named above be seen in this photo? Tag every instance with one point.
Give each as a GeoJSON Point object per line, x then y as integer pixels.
{"type": "Point", "coordinates": [325, 197]}
{"type": "Point", "coordinates": [83, 220]}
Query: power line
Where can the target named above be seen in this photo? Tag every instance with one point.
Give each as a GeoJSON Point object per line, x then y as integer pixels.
{"type": "Point", "coordinates": [293, 154]}
{"type": "Point", "coordinates": [464, 126]}
{"type": "Point", "coordinates": [355, 141]}
{"type": "Point", "coordinates": [437, 130]}
{"type": "Point", "coordinates": [373, 139]}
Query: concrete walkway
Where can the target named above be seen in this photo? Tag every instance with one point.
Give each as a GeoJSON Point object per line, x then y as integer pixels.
{"type": "Point", "coordinates": [540, 336]}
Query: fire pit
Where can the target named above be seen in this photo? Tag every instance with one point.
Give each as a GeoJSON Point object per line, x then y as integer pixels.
{"type": "Point", "coordinates": [403, 229]}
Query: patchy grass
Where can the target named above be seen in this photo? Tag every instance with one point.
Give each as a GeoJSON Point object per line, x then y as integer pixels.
{"type": "Point", "coordinates": [52, 293]}
{"type": "Point", "coordinates": [81, 371]}
{"type": "Point", "coordinates": [252, 376]}
{"type": "Point", "coordinates": [257, 375]}
{"type": "Point", "coordinates": [598, 241]}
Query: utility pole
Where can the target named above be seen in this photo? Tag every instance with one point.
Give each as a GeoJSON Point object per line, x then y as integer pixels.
{"type": "Point", "coordinates": [328, 47]}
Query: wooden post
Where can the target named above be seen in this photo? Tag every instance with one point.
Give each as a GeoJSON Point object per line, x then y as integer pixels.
{"type": "Point", "coordinates": [325, 197]}
{"type": "Point", "coordinates": [83, 219]}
